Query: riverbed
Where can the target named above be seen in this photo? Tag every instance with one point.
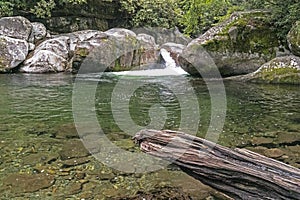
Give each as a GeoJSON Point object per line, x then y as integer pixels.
{"type": "Point", "coordinates": [42, 156]}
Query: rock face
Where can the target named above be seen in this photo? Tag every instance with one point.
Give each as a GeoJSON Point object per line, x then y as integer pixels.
{"type": "Point", "coordinates": [279, 70]}
{"type": "Point", "coordinates": [293, 39]}
{"type": "Point", "coordinates": [95, 14]}
{"type": "Point", "coordinates": [12, 52]}
{"type": "Point", "coordinates": [15, 27]}
{"type": "Point", "coordinates": [113, 50]}
{"type": "Point", "coordinates": [240, 45]}
{"type": "Point", "coordinates": [163, 35]}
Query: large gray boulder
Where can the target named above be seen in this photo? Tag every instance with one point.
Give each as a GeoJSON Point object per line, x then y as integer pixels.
{"type": "Point", "coordinates": [45, 61]}
{"type": "Point", "coordinates": [281, 70]}
{"type": "Point", "coordinates": [115, 50]}
{"type": "Point", "coordinates": [239, 45]}
{"type": "Point", "coordinates": [12, 52]}
{"type": "Point", "coordinates": [293, 39]}
{"type": "Point", "coordinates": [50, 56]}
{"type": "Point", "coordinates": [15, 27]}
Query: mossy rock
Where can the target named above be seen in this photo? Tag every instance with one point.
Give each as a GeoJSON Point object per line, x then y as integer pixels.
{"type": "Point", "coordinates": [239, 45]}
{"type": "Point", "coordinates": [293, 39]}
{"type": "Point", "coordinates": [281, 70]}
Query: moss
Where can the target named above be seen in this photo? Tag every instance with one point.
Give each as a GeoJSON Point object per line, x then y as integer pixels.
{"type": "Point", "coordinates": [280, 75]}
{"type": "Point", "coordinates": [254, 36]}
{"type": "Point", "coordinates": [83, 52]}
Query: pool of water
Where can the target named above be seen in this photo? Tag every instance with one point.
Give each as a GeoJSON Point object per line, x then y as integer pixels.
{"type": "Point", "coordinates": [37, 134]}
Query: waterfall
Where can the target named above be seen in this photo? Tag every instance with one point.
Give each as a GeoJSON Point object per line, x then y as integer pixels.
{"type": "Point", "coordinates": [170, 69]}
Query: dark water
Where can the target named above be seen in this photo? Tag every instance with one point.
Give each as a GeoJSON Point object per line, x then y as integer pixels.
{"type": "Point", "coordinates": [33, 108]}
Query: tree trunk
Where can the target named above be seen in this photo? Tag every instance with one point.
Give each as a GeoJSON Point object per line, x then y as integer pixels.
{"type": "Point", "coordinates": [239, 173]}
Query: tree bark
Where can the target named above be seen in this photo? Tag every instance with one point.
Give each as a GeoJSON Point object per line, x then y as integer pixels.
{"type": "Point", "coordinates": [239, 173]}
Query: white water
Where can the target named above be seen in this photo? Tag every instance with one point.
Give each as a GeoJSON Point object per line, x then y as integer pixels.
{"type": "Point", "coordinates": [170, 68]}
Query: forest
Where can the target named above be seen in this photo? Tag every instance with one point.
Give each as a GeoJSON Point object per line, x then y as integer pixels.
{"type": "Point", "coordinates": [193, 17]}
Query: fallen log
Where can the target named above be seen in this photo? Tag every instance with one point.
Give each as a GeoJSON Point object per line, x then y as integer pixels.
{"type": "Point", "coordinates": [239, 173]}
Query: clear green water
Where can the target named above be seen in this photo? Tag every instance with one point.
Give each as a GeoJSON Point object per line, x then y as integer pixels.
{"type": "Point", "coordinates": [34, 108]}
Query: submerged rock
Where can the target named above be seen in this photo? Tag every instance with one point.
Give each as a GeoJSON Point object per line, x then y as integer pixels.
{"type": "Point", "coordinates": [293, 39]}
{"type": "Point", "coordinates": [23, 183]}
{"type": "Point", "coordinates": [12, 52]}
{"type": "Point", "coordinates": [240, 45]}
{"type": "Point", "coordinates": [73, 149]}
{"type": "Point", "coordinates": [279, 70]}
{"type": "Point", "coordinates": [15, 27]}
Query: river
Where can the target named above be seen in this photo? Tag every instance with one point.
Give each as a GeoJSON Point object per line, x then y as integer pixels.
{"type": "Point", "coordinates": [37, 125]}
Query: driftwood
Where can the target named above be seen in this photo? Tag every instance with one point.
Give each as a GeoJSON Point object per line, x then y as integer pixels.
{"type": "Point", "coordinates": [239, 173]}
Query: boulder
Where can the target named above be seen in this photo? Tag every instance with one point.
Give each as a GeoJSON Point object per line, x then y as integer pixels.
{"type": "Point", "coordinates": [279, 70]}
{"type": "Point", "coordinates": [15, 27]}
{"type": "Point", "coordinates": [52, 55]}
{"type": "Point", "coordinates": [164, 35]}
{"type": "Point", "coordinates": [239, 45]}
{"type": "Point", "coordinates": [12, 52]}
{"type": "Point", "coordinates": [38, 32]}
{"type": "Point", "coordinates": [293, 39]}
{"type": "Point", "coordinates": [115, 50]}
{"type": "Point", "coordinates": [45, 61]}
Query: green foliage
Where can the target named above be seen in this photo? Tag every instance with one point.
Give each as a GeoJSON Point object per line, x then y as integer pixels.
{"type": "Point", "coordinates": [6, 8]}
{"type": "Point", "coordinates": [284, 15]}
{"type": "Point", "coordinates": [39, 8]}
{"type": "Point", "coordinates": [200, 15]}
{"type": "Point", "coordinates": [162, 13]}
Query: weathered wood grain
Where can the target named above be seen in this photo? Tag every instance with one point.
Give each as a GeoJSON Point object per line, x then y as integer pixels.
{"type": "Point", "coordinates": [239, 173]}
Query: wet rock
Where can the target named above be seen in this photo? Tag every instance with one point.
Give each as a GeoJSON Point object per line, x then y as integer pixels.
{"type": "Point", "coordinates": [67, 131]}
{"type": "Point", "coordinates": [293, 39]}
{"type": "Point", "coordinates": [261, 141]}
{"type": "Point", "coordinates": [273, 153]}
{"type": "Point", "coordinates": [279, 70]}
{"type": "Point", "coordinates": [74, 188]}
{"type": "Point", "coordinates": [15, 27]}
{"type": "Point", "coordinates": [38, 32]}
{"type": "Point", "coordinates": [75, 161]}
{"type": "Point", "coordinates": [12, 52]}
{"type": "Point", "coordinates": [39, 158]}
{"type": "Point", "coordinates": [288, 138]}
{"type": "Point", "coordinates": [239, 45]}
{"type": "Point", "coordinates": [73, 149]}
{"type": "Point", "coordinates": [23, 183]}
{"type": "Point", "coordinates": [160, 194]}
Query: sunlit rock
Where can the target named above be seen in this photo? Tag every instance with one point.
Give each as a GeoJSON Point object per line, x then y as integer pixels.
{"type": "Point", "coordinates": [15, 27]}
{"type": "Point", "coordinates": [12, 52]}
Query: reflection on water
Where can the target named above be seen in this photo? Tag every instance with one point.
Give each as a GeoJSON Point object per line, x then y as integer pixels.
{"type": "Point", "coordinates": [36, 118]}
